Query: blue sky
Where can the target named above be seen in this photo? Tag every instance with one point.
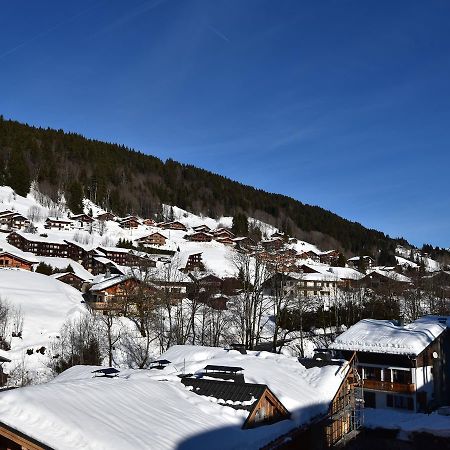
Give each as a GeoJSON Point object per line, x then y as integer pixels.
{"type": "Point", "coordinates": [342, 104]}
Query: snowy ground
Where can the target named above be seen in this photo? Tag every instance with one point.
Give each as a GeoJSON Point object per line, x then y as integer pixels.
{"type": "Point", "coordinates": [45, 304]}
{"type": "Point", "coordinates": [407, 422]}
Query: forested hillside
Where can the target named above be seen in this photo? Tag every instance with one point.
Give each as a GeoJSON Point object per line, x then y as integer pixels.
{"type": "Point", "coordinates": [126, 181]}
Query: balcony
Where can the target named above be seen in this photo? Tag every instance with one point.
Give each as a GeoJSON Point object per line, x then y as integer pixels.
{"type": "Point", "coordinates": [401, 388]}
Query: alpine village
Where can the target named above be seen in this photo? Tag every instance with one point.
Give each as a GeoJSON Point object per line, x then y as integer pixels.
{"type": "Point", "coordinates": [150, 304]}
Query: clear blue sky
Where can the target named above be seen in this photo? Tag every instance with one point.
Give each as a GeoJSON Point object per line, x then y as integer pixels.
{"type": "Point", "coordinates": [343, 104]}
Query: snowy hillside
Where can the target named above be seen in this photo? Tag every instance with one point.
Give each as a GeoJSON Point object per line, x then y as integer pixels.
{"type": "Point", "coordinates": [45, 304]}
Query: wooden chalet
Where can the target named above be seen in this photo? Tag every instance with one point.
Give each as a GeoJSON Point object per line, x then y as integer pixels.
{"type": "Point", "coordinates": [111, 293]}
{"type": "Point", "coordinates": [199, 236]}
{"type": "Point", "coordinates": [174, 225]}
{"type": "Point", "coordinates": [194, 262]}
{"type": "Point", "coordinates": [69, 278]}
{"type": "Point", "coordinates": [104, 217]}
{"type": "Point", "coordinates": [272, 244]}
{"type": "Point", "coordinates": [244, 242]}
{"type": "Point", "coordinates": [53, 223]}
{"type": "Point", "coordinates": [361, 263]}
{"type": "Point", "coordinates": [82, 220]}
{"type": "Point", "coordinates": [149, 222]}
{"type": "Point", "coordinates": [329, 257]}
{"type": "Point", "coordinates": [344, 416]}
{"type": "Point", "coordinates": [401, 367]}
{"type": "Point", "coordinates": [129, 223]}
{"type": "Point", "coordinates": [225, 241]}
{"type": "Point", "coordinates": [39, 245]}
{"type": "Point", "coordinates": [386, 280]}
{"type": "Point", "coordinates": [223, 233]}
{"type": "Point", "coordinates": [157, 239]}
{"type": "Point", "coordinates": [13, 220]}
{"type": "Point", "coordinates": [10, 260]}
{"type": "Point", "coordinates": [258, 400]}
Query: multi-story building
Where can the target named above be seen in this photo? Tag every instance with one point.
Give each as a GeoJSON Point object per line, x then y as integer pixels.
{"type": "Point", "coordinates": [402, 366]}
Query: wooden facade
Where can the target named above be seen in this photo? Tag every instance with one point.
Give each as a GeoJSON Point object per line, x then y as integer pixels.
{"type": "Point", "coordinates": [53, 223]}
{"type": "Point", "coordinates": [152, 239]}
{"type": "Point", "coordinates": [175, 225]}
{"type": "Point", "coordinates": [199, 236]}
{"type": "Point", "coordinates": [40, 247]}
{"type": "Point", "coordinates": [70, 279]}
{"type": "Point", "coordinates": [10, 260]}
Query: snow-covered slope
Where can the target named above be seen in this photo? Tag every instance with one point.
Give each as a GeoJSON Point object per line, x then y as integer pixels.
{"type": "Point", "coordinates": [45, 304]}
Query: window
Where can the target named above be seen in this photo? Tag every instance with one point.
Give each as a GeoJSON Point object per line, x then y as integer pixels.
{"type": "Point", "coordinates": [372, 373]}
{"type": "Point", "coordinates": [401, 376]}
{"type": "Point", "coordinates": [400, 402]}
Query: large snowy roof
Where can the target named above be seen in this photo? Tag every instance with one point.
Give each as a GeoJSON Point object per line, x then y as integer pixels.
{"type": "Point", "coordinates": [383, 336]}
{"type": "Point", "coordinates": [152, 408]}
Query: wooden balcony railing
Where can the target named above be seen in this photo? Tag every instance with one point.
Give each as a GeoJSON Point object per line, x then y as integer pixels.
{"type": "Point", "coordinates": [403, 388]}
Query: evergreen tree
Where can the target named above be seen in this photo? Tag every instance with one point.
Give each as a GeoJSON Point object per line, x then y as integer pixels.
{"type": "Point", "coordinates": [240, 224]}
{"type": "Point", "coordinates": [18, 173]}
{"type": "Point", "coordinates": [75, 194]}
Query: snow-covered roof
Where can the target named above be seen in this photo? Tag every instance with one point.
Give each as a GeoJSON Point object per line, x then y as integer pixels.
{"type": "Point", "coordinates": [384, 336]}
{"type": "Point", "coordinates": [153, 409]}
{"type": "Point", "coordinates": [391, 274]}
{"type": "Point", "coordinates": [346, 273]}
{"type": "Point", "coordinates": [38, 238]}
{"type": "Point", "coordinates": [108, 282]}
{"type": "Point", "coordinates": [357, 258]}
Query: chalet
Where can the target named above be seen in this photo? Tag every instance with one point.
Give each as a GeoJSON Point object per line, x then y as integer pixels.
{"type": "Point", "coordinates": [344, 415]}
{"type": "Point", "coordinates": [53, 223]}
{"type": "Point", "coordinates": [126, 257]}
{"type": "Point", "coordinates": [174, 225]}
{"type": "Point", "coordinates": [69, 278]}
{"type": "Point", "coordinates": [149, 222]}
{"type": "Point", "coordinates": [152, 239]}
{"type": "Point", "coordinates": [129, 223]}
{"type": "Point", "coordinates": [225, 241]}
{"type": "Point", "coordinates": [272, 244]}
{"type": "Point", "coordinates": [104, 217]}
{"type": "Point", "coordinates": [302, 284]}
{"type": "Point", "coordinates": [81, 253]}
{"type": "Point", "coordinates": [12, 260]}
{"type": "Point", "coordinates": [361, 263]}
{"type": "Point", "coordinates": [111, 293]}
{"type": "Point", "coordinates": [222, 233]}
{"type": "Point", "coordinates": [199, 236]}
{"type": "Point", "coordinates": [13, 220]}
{"type": "Point", "coordinates": [202, 228]}
{"type": "Point", "coordinates": [82, 220]}
{"type": "Point", "coordinates": [118, 255]}
{"type": "Point", "coordinates": [329, 257]}
{"type": "Point", "coordinates": [386, 279]}
{"type": "Point", "coordinates": [349, 278]}
{"type": "Point", "coordinates": [188, 411]}
{"type": "Point", "coordinates": [38, 244]}
{"type": "Point", "coordinates": [194, 262]}
{"type": "Point", "coordinates": [244, 242]}
{"type": "Point", "coordinates": [258, 400]}
{"type": "Point", "coordinates": [402, 366]}
{"type": "Point", "coordinates": [100, 265]}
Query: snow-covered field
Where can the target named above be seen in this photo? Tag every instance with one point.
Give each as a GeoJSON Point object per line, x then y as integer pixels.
{"type": "Point", "coordinates": [45, 304]}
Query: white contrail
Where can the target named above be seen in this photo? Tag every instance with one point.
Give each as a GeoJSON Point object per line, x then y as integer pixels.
{"type": "Point", "coordinates": [48, 31]}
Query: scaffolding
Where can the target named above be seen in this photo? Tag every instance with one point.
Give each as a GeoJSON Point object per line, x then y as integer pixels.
{"type": "Point", "coordinates": [346, 415]}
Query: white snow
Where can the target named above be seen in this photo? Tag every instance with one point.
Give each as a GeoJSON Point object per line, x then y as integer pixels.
{"type": "Point", "coordinates": [383, 336]}
{"type": "Point", "coordinates": [153, 409]}
{"type": "Point", "coordinates": [45, 304]}
{"type": "Point", "coordinates": [407, 422]}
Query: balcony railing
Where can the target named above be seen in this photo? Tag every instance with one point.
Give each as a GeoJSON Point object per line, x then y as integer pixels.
{"type": "Point", "coordinates": [405, 388]}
